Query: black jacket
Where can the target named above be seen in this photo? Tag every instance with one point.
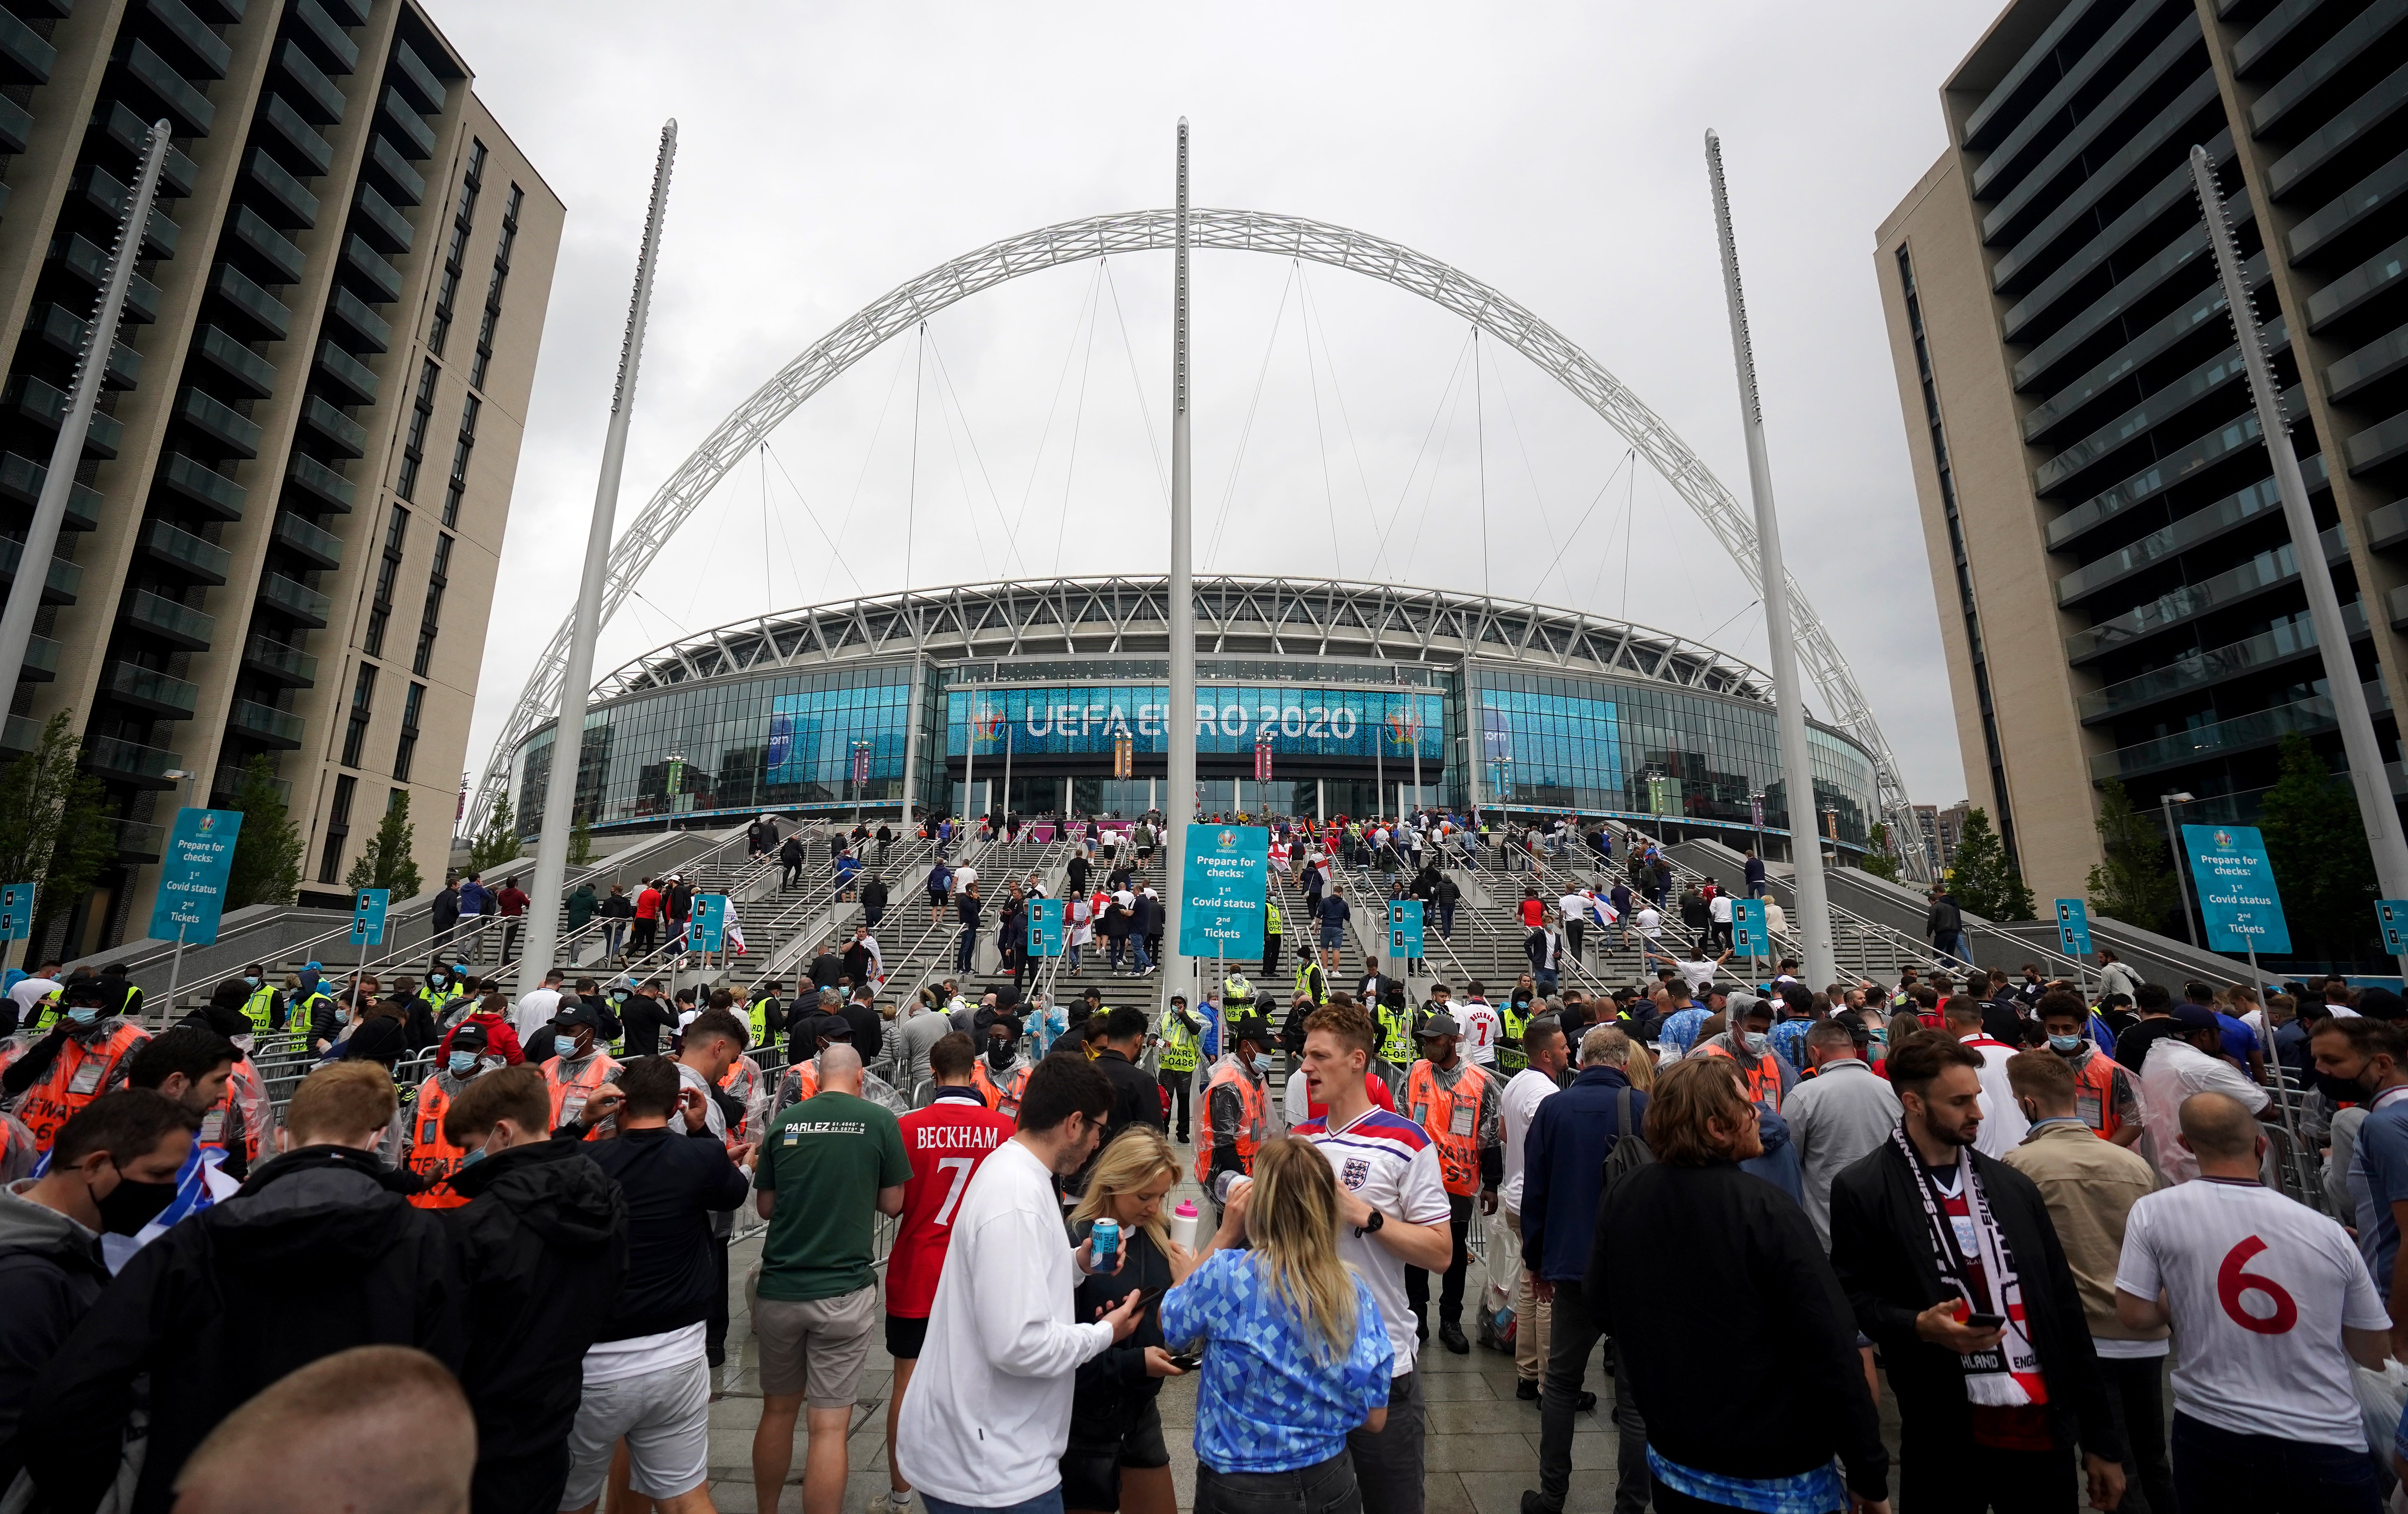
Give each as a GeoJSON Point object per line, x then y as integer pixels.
{"type": "Point", "coordinates": [644, 1018]}
{"type": "Point", "coordinates": [1880, 1249]}
{"type": "Point", "coordinates": [673, 1183]}
{"type": "Point", "coordinates": [445, 912]}
{"type": "Point", "coordinates": [316, 1254]}
{"type": "Point", "coordinates": [1113, 1389]}
{"type": "Point", "coordinates": [873, 895]}
{"type": "Point", "coordinates": [51, 1274]}
{"type": "Point", "coordinates": [543, 1246]}
{"type": "Point", "coordinates": [1944, 918]}
{"type": "Point", "coordinates": [825, 969]}
{"type": "Point", "coordinates": [1137, 1098]}
{"type": "Point", "coordinates": [1779, 1336]}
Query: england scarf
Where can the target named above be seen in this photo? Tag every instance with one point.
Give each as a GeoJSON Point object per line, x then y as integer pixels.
{"type": "Point", "coordinates": [2008, 1375]}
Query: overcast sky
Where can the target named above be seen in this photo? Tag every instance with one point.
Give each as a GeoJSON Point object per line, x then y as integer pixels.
{"type": "Point", "coordinates": [828, 153]}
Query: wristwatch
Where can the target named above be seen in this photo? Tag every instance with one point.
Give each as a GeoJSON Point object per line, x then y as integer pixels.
{"type": "Point", "coordinates": [1372, 1226]}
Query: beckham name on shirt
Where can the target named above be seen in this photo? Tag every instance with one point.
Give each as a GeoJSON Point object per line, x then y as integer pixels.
{"type": "Point", "coordinates": [955, 1138]}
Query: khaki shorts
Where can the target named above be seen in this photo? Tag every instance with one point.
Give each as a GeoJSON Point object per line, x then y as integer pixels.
{"type": "Point", "coordinates": [817, 1348]}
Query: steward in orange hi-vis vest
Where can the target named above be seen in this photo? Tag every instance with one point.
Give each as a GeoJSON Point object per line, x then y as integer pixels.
{"type": "Point", "coordinates": [84, 1056]}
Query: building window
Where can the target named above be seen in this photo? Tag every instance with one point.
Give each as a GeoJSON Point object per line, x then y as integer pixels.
{"type": "Point", "coordinates": [381, 607]}
{"type": "Point", "coordinates": [456, 250]}
{"type": "Point", "coordinates": [428, 618]}
{"type": "Point", "coordinates": [339, 825]}
{"type": "Point", "coordinates": [460, 450]}
{"type": "Point", "coordinates": [413, 446]}
{"type": "Point", "coordinates": [494, 291]}
{"type": "Point", "coordinates": [409, 747]}
{"type": "Point", "coordinates": [362, 693]}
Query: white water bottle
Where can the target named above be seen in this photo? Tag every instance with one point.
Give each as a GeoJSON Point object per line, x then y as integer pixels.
{"type": "Point", "coordinates": [1183, 1224]}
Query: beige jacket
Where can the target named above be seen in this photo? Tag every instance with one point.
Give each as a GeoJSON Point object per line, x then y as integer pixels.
{"type": "Point", "coordinates": [2089, 1186]}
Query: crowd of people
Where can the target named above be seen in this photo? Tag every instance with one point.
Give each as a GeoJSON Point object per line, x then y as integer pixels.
{"type": "Point", "coordinates": [1995, 1205]}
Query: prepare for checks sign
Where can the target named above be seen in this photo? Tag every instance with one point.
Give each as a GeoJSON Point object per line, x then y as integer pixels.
{"type": "Point", "coordinates": [2237, 897]}
{"type": "Point", "coordinates": [192, 877]}
{"type": "Point", "coordinates": [2073, 926]}
{"type": "Point", "coordinates": [367, 917]}
{"type": "Point", "coordinates": [1221, 882]}
{"type": "Point", "coordinates": [1046, 928]}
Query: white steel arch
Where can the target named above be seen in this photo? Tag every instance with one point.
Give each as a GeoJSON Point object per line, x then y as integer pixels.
{"type": "Point", "coordinates": [1250, 231]}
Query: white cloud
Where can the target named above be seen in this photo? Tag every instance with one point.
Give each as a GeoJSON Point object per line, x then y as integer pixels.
{"type": "Point", "coordinates": [829, 153]}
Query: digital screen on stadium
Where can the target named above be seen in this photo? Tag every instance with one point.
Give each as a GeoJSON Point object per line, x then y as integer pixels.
{"type": "Point", "coordinates": [1230, 719]}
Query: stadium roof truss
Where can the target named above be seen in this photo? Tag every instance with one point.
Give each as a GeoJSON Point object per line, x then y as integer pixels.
{"type": "Point", "coordinates": [904, 307]}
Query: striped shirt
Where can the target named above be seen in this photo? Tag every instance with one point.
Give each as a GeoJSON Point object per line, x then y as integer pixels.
{"type": "Point", "coordinates": [1390, 1163]}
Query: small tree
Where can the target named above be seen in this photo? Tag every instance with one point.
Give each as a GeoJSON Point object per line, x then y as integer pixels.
{"type": "Point", "coordinates": [1879, 860]}
{"type": "Point", "coordinates": [2316, 842]}
{"type": "Point", "coordinates": [267, 854]}
{"type": "Point", "coordinates": [2134, 883]}
{"type": "Point", "coordinates": [55, 829]}
{"type": "Point", "coordinates": [385, 862]}
{"type": "Point", "coordinates": [498, 843]}
{"type": "Point", "coordinates": [580, 845]}
{"type": "Point", "coordinates": [1982, 879]}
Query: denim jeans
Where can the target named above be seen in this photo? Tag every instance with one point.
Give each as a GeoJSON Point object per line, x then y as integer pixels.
{"type": "Point", "coordinates": [1572, 1335]}
{"type": "Point", "coordinates": [1137, 945]}
{"type": "Point", "coordinates": [2219, 1471]}
{"type": "Point", "coordinates": [1326, 1488]}
{"type": "Point", "coordinates": [612, 935]}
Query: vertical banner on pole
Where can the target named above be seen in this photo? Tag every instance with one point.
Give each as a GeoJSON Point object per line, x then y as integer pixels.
{"type": "Point", "coordinates": [16, 912]}
{"type": "Point", "coordinates": [192, 876]}
{"type": "Point", "coordinates": [1221, 883]}
{"type": "Point", "coordinates": [1405, 929]}
{"type": "Point", "coordinates": [367, 917]}
{"type": "Point", "coordinates": [710, 921]}
{"type": "Point", "coordinates": [1748, 931]}
{"type": "Point", "coordinates": [1124, 756]}
{"type": "Point", "coordinates": [1046, 928]}
{"type": "Point", "coordinates": [2390, 914]}
{"type": "Point", "coordinates": [2238, 900]}
{"type": "Point", "coordinates": [2073, 926]}
{"type": "Point", "coordinates": [861, 764]}
{"type": "Point", "coordinates": [1262, 759]}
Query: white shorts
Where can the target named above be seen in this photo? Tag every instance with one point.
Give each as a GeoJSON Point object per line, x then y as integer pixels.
{"type": "Point", "coordinates": [666, 1417]}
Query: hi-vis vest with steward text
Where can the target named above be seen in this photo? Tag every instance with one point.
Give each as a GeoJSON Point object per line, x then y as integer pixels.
{"type": "Point", "coordinates": [569, 1093]}
{"type": "Point", "coordinates": [1452, 1118]}
{"type": "Point", "coordinates": [1312, 982]}
{"type": "Point", "coordinates": [261, 1008]}
{"type": "Point", "coordinates": [1236, 992]}
{"type": "Point", "coordinates": [432, 1156]}
{"type": "Point", "coordinates": [1252, 1122]}
{"type": "Point", "coordinates": [78, 1074]}
{"type": "Point", "coordinates": [1179, 1050]}
{"type": "Point", "coordinates": [1397, 1034]}
{"type": "Point", "coordinates": [1271, 917]}
{"type": "Point", "coordinates": [1511, 1056]}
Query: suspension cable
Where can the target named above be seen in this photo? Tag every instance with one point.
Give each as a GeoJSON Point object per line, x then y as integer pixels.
{"type": "Point", "coordinates": [1479, 415]}
{"type": "Point", "coordinates": [1060, 382]}
{"type": "Point", "coordinates": [812, 515]}
{"type": "Point", "coordinates": [1077, 422]}
{"type": "Point", "coordinates": [1145, 411]}
{"type": "Point", "coordinates": [1321, 436]}
{"type": "Point", "coordinates": [911, 496]}
{"type": "Point", "coordinates": [1405, 490]}
{"type": "Point", "coordinates": [1627, 457]}
{"type": "Point", "coordinates": [1246, 432]}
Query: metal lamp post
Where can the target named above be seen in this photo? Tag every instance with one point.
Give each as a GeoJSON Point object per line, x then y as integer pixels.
{"type": "Point", "coordinates": [2166, 803]}
{"type": "Point", "coordinates": [1179, 613]}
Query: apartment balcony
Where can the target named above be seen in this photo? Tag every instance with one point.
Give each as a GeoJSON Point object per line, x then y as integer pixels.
{"type": "Point", "coordinates": [89, 263]}
{"type": "Point", "coordinates": [128, 130]}
{"type": "Point", "coordinates": [24, 57]}
{"type": "Point", "coordinates": [16, 126]}
{"type": "Point", "coordinates": [387, 227]}
{"type": "Point", "coordinates": [162, 618]}
{"type": "Point", "coordinates": [2287, 643]}
{"type": "Point", "coordinates": [203, 486]}
{"type": "Point", "coordinates": [304, 604]}
{"type": "Point", "coordinates": [64, 331]}
{"type": "Point", "coordinates": [350, 437]}
{"type": "Point", "coordinates": [2226, 738]}
{"type": "Point", "coordinates": [323, 37]}
{"type": "Point", "coordinates": [187, 554]}
{"type": "Point", "coordinates": [230, 779]}
{"type": "Point", "coordinates": [190, 108]}
{"type": "Point", "coordinates": [211, 55]}
{"type": "Point", "coordinates": [147, 688]}
{"type": "Point", "coordinates": [374, 331]}
{"type": "Point", "coordinates": [131, 762]}
{"type": "Point", "coordinates": [313, 90]}
{"type": "Point", "coordinates": [271, 316]}
{"type": "Point", "coordinates": [289, 202]}
{"type": "Point", "coordinates": [381, 277]}
{"type": "Point", "coordinates": [399, 114]}
{"type": "Point", "coordinates": [2379, 444]}
{"type": "Point", "coordinates": [407, 184]}
{"type": "Point", "coordinates": [60, 586]}
{"type": "Point", "coordinates": [100, 189]}
{"type": "Point", "coordinates": [21, 480]}
{"type": "Point", "coordinates": [282, 256]}
{"type": "Point", "coordinates": [138, 841]}
{"type": "Point", "coordinates": [254, 374]}
{"type": "Point", "coordinates": [41, 665]}
{"type": "Point", "coordinates": [355, 379]}
{"type": "Point", "coordinates": [266, 726]}
{"type": "Point", "coordinates": [220, 422]}
{"type": "Point", "coordinates": [321, 548]}
{"type": "Point", "coordinates": [416, 79]}
{"type": "Point", "coordinates": [47, 408]}
{"type": "Point", "coordinates": [19, 734]}
{"type": "Point", "coordinates": [272, 659]}
{"type": "Point", "coordinates": [320, 481]}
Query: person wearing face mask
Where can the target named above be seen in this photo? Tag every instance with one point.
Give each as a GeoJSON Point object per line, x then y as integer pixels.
{"type": "Point", "coordinates": [215, 1310]}
{"type": "Point", "coordinates": [2359, 1061]}
{"type": "Point", "coordinates": [1237, 1111]}
{"type": "Point", "coordinates": [431, 1155]}
{"type": "Point", "coordinates": [85, 1055]}
{"type": "Point", "coordinates": [576, 1066]}
{"type": "Point", "coordinates": [193, 1065]}
{"type": "Point", "coordinates": [543, 1246]}
{"type": "Point", "coordinates": [1767, 1074]}
{"type": "Point", "coordinates": [1001, 1074]}
{"type": "Point", "coordinates": [262, 1002]}
{"type": "Point", "coordinates": [113, 1167]}
{"type": "Point", "coordinates": [1835, 1117]}
{"type": "Point", "coordinates": [1460, 1104]}
{"type": "Point", "coordinates": [2107, 1095]}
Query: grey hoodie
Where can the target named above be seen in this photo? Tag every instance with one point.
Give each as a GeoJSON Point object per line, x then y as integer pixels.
{"type": "Point", "coordinates": [50, 1271]}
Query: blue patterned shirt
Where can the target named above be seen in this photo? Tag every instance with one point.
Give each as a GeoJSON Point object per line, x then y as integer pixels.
{"type": "Point", "coordinates": [1680, 1027]}
{"type": "Point", "coordinates": [1268, 1402]}
{"type": "Point", "coordinates": [1789, 1038]}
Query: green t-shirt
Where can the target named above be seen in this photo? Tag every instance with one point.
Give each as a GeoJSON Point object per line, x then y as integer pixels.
{"type": "Point", "coordinates": [833, 1152]}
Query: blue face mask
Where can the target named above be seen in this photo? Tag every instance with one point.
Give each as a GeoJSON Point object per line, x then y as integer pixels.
{"type": "Point", "coordinates": [250, 982]}
{"type": "Point", "coordinates": [1756, 1040]}
{"type": "Point", "coordinates": [435, 980]}
{"type": "Point", "coordinates": [462, 1063]}
{"type": "Point", "coordinates": [83, 1015]}
{"type": "Point", "coordinates": [564, 1046]}
{"type": "Point", "coordinates": [2064, 1042]}
{"type": "Point", "coordinates": [473, 1158]}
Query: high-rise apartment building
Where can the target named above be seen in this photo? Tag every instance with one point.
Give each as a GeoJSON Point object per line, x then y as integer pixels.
{"type": "Point", "coordinates": [291, 507]}
{"type": "Point", "coordinates": [2120, 598]}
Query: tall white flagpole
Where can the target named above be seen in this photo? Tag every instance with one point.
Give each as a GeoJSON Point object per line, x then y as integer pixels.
{"type": "Point", "coordinates": [577, 674]}
{"type": "Point", "coordinates": [1180, 802]}
{"type": "Point", "coordinates": [1789, 700]}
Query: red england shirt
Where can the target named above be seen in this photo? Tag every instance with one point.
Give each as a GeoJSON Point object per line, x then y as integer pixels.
{"type": "Point", "coordinates": [946, 1141]}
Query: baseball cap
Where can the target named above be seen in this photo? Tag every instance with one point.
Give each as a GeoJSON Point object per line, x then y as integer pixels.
{"type": "Point", "coordinates": [1438, 1025]}
{"type": "Point", "coordinates": [832, 1027]}
{"type": "Point", "coordinates": [577, 1013]}
{"type": "Point", "coordinates": [469, 1036]}
{"type": "Point", "coordinates": [2196, 1017]}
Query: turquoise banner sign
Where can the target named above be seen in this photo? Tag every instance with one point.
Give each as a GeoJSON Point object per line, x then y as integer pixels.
{"type": "Point", "coordinates": [2073, 926]}
{"type": "Point", "coordinates": [1405, 929]}
{"type": "Point", "coordinates": [1221, 882]}
{"type": "Point", "coordinates": [2237, 897]}
{"type": "Point", "coordinates": [1748, 928]}
{"type": "Point", "coordinates": [710, 921]}
{"type": "Point", "coordinates": [367, 917]}
{"type": "Point", "coordinates": [192, 876]}
{"type": "Point", "coordinates": [1044, 927]}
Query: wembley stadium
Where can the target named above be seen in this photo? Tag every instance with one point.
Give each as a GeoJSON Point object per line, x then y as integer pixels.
{"type": "Point", "coordinates": [1355, 698]}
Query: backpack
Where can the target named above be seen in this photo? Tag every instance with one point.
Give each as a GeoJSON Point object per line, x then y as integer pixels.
{"type": "Point", "coordinates": [1630, 1151]}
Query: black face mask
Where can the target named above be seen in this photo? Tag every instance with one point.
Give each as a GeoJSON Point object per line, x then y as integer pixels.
{"type": "Point", "coordinates": [999, 1054]}
{"type": "Point", "coordinates": [2341, 1090]}
{"type": "Point", "coordinates": [130, 1206]}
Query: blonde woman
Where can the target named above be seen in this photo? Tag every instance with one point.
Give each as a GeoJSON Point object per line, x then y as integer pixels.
{"type": "Point", "coordinates": [1116, 1459]}
{"type": "Point", "coordinates": [1641, 1068]}
{"type": "Point", "coordinates": [1296, 1354]}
